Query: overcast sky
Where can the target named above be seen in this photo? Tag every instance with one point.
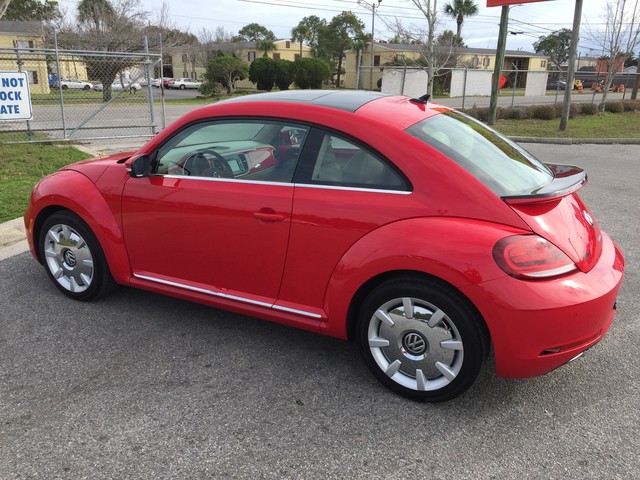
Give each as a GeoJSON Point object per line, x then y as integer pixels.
{"type": "Point", "coordinates": [529, 21]}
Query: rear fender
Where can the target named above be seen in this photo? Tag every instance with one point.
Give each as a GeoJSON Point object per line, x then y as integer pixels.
{"type": "Point", "coordinates": [82, 198]}
{"type": "Point", "coordinates": [455, 250]}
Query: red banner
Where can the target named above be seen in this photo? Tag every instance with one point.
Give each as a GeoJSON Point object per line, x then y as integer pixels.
{"type": "Point", "coordinates": [500, 3]}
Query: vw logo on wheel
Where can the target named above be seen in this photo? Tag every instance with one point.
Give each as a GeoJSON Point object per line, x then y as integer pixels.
{"type": "Point", "coordinates": [70, 258]}
{"type": "Point", "coordinates": [414, 343]}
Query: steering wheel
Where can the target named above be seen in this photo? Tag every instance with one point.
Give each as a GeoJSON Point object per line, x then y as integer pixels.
{"type": "Point", "coordinates": [220, 167]}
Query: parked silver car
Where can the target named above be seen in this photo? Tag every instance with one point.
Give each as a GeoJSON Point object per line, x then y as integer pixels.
{"type": "Point", "coordinates": [74, 84]}
{"type": "Point", "coordinates": [117, 86]}
{"type": "Point", "coordinates": [183, 83]}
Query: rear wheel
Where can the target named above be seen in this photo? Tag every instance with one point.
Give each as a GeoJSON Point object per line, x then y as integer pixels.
{"type": "Point", "coordinates": [72, 257]}
{"type": "Point", "coordinates": [182, 87]}
{"type": "Point", "coordinates": [422, 339]}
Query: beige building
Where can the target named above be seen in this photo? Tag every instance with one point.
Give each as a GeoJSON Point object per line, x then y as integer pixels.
{"type": "Point", "coordinates": [72, 67]}
{"type": "Point", "coordinates": [385, 54]}
{"type": "Point", "coordinates": [15, 40]}
{"type": "Point", "coordinates": [193, 65]}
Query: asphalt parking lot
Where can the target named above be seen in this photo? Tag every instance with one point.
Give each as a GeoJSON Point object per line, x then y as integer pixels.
{"type": "Point", "coordinates": [143, 386]}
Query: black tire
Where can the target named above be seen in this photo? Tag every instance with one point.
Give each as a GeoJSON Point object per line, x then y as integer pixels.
{"type": "Point", "coordinates": [436, 342]}
{"type": "Point", "coordinates": [64, 87]}
{"type": "Point", "coordinates": [86, 87]}
{"type": "Point", "coordinates": [73, 258]}
{"type": "Point", "coordinates": [182, 87]}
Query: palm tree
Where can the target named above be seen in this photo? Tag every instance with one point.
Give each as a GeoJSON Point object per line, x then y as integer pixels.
{"type": "Point", "coordinates": [459, 9]}
{"type": "Point", "coordinates": [300, 34]}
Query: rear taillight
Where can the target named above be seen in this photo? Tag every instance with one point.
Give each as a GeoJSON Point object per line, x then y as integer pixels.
{"type": "Point", "coordinates": [531, 257]}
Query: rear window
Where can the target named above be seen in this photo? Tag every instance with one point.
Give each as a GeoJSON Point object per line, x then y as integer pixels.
{"type": "Point", "coordinates": [496, 161]}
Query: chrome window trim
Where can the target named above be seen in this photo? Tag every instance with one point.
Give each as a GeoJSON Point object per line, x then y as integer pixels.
{"type": "Point", "coordinates": [224, 180]}
{"type": "Point", "coordinates": [285, 184]}
{"type": "Point", "coordinates": [215, 293]}
{"type": "Point", "coordinates": [354, 189]}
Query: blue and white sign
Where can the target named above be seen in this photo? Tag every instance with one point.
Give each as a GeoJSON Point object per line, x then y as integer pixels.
{"type": "Point", "coordinates": [15, 97]}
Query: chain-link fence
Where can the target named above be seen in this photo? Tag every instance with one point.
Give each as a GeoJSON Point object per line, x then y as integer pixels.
{"type": "Point", "coordinates": [84, 95]}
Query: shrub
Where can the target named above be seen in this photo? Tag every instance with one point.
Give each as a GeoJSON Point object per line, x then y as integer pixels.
{"type": "Point", "coordinates": [262, 72]}
{"type": "Point", "coordinates": [481, 114]}
{"type": "Point", "coordinates": [614, 107]}
{"type": "Point", "coordinates": [589, 109]}
{"type": "Point", "coordinates": [284, 74]}
{"type": "Point", "coordinates": [543, 112]}
{"type": "Point", "coordinates": [575, 109]}
{"type": "Point", "coordinates": [516, 113]}
{"type": "Point", "coordinates": [210, 89]}
{"type": "Point", "coordinates": [557, 107]}
{"type": "Point", "coordinates": [310, 72]}
{"type": "Point", "coordinates": [631, 105]}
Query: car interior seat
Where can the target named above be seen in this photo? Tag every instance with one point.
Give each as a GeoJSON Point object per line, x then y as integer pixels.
{"type": "Point", "coordinates": [327, 168]}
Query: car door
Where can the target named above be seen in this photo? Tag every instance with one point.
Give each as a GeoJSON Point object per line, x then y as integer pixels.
{"type": "Point", "coordinates": [215, 215]}
{"type": "Point", "coordinates": [344, 190]}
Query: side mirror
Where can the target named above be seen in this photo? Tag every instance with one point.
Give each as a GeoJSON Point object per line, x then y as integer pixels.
{"type": "Point", "coordinates": [141, 167]}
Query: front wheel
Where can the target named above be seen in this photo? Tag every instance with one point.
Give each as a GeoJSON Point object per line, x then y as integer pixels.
{"type": "Point", "coordinates": [72, 257]}
{"type": "Point", "coordinates": [422, 339]}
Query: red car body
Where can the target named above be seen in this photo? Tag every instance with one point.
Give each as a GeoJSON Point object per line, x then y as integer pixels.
{"type": "Point", "coordinates": [307, 255]}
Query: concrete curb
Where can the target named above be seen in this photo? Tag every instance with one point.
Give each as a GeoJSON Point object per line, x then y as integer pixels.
{"type": "Point", "coordinates": [12, 238]}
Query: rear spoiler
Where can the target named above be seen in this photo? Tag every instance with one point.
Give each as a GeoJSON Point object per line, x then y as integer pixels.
{"type": "Point", "coordinates": [566, 180]}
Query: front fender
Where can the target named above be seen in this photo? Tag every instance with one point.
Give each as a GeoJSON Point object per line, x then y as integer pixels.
{"type": "Point", "coordinates": [82, 198]}
{"type": "Point", "coordinates": [455, 250]}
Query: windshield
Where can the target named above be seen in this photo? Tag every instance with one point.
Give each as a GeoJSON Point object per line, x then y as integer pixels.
{"type": "Point", "coordinates": [497, 162]}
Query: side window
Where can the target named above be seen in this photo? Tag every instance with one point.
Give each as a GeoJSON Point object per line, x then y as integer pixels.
{"type": "Point", "coordinates": [234, 149]}
{"type": "Point", "coordinates": [341, 162]}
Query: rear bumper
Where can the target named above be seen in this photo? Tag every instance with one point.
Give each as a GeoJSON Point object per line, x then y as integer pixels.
{"type": "Point", "coordinates": [538, 326]}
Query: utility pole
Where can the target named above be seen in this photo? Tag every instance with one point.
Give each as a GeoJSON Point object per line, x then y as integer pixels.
{"type": "Point", "coordinates": [575, 36]}
{"type": "Point", "coordinates": [373, 7]}
{"type": "Point", "coordinates": [502, 46]}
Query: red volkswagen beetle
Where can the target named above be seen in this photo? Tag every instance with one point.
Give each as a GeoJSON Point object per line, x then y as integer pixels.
{"type": "Point", "coordinates": [405, 226]}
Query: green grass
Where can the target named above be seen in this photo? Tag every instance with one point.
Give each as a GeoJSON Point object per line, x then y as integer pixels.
{"type": "Point", "coordinates": [602, 125]}
{"type": "Point", "coordinates": [22, 166]}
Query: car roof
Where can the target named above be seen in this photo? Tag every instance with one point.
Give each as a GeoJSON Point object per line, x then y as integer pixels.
{"type": "Point", "coordinates": [349, 100]}
{"type": "Point", "coordinates": [340, 109]}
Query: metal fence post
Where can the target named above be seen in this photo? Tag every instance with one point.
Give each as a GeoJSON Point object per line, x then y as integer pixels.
{"type": "Point", "coordinates": [59, 81]}
{"type": "Point", "coordinates": [515, 85]}
{"type": "Point", "coordinates": [19, 61]}
{"type": "Point", "coordinates": [147, 63]}
{"type": "Point", "coordinates": [464, 86]}
{"type": "Point", "coordinates": [164, 114]}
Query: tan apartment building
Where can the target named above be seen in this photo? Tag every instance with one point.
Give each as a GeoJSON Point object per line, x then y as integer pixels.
{"type": "Point", "coordinates": [15, 40]}
{"type": "Point", "coordinates": [193, 64]}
